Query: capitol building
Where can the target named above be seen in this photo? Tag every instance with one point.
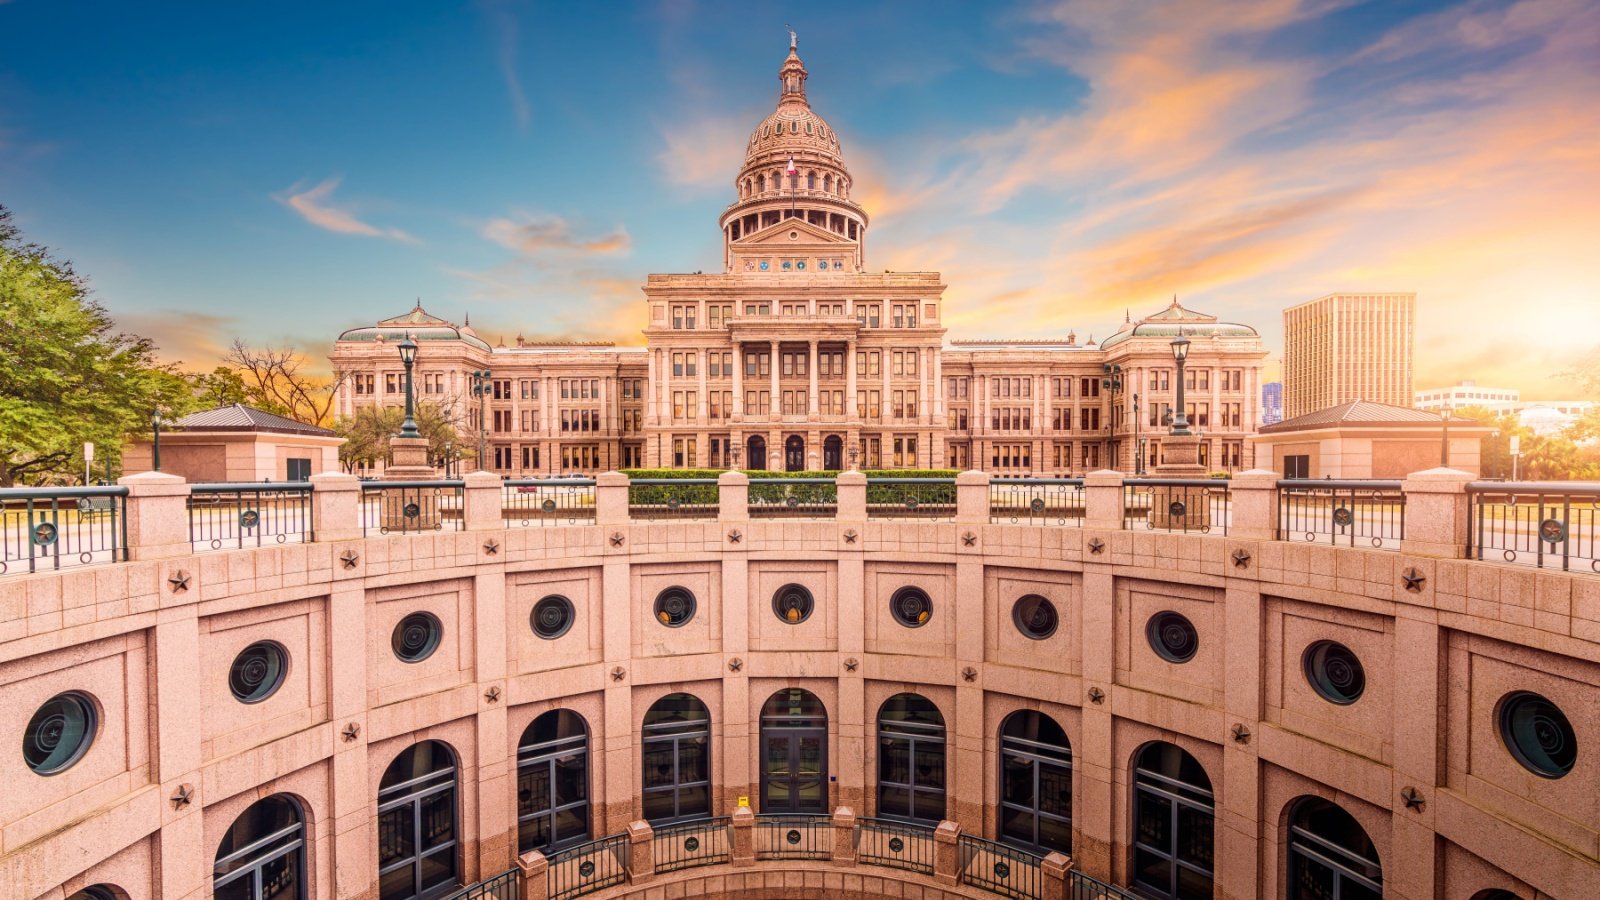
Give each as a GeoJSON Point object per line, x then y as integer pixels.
{"type": "Point", "coordinates": [798, 357]}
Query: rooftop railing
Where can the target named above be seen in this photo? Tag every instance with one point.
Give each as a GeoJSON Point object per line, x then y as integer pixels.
{"type": "Point", "coordinates": [703, 842]}
{"type": "Point", "coordinates": [793, 837]}
{"type": "Point", "coordinates": [1352, 513]}
{"type": "Point", "coordinates": [249, 514]}
{"type": "Point", "coordinates": [896, 845]}
{"type": "Point", "coordinates": [1543, 524]}
{"type": "Point", "coordinates": [52, 528]}
{"type": "Point", "coordinates": [1000, 869]}
{"type": "Point", "coordinates": [586, 868]}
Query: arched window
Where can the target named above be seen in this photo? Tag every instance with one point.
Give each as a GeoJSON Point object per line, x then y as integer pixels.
{"type": "Point", "coordinates": [794, 753]}
{"type": "Point", "coordinates": [553, 782]}
{"type": "Point", "coordinates": [794, 181]}
{"type": "Point", "coordinates": [1173, 823]}
{"type": "Point", "coordinates": [827, 183]}
{"type": "Point", "coordinates": [417, 823]}
{"type": "Point", "coordinates": [1035, 783]}
{"type": "Point", "coordinates": [761, 182]}
{"type": "Point", "coordinates": [1330, 854]}
{"type": "Point", "coordinates": [677, 759]}
{"type": "Point", "coordinates": [911, 760]}
{"type": "Point", "coordinates": [811, 181]}
{"type": "Point", "coordinates": [262, 855]}
{"type": "Point", "coordinates": [96, 892]}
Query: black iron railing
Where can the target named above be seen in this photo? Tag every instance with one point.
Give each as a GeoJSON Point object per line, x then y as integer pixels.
{"type": "Point", "coordinates": [547, 501]}
{"type": "Point", "coordinates": [1188, 505]}
{"type": "Point", "coordinates": [1000, 869]}
{"type": "Point", "coordinates": [505, 886]}
{"type": "Point", "coordinates": [1355, 513]}
{"type": "Point", "coordinates": [1544, 524]}
{"type": "Point", "coordinates": [672, 498]}
{"type": "Point", "coordinates": [249, 514]}
{"type": "Point", "coordinates": [794, 498]}
{"type": "Point", "coordinates": [48, 528]}
{"type": "Point", "coordinates": [406, 507]}
{"type": "Point", "coordinates": [587, 868]}
{"type": "Point", "coordinates": [793, 837]}
{"type": "Point", "coordinates": [1085, 887]}
{"type": "Point", "coordinates": [911, 498]}
{"type": "Point", "coordinates": [896, 845]}
{"type": "Point", "coordinates": [703, 842]}
{"type": "Point", "coordinates": [1037, 501]}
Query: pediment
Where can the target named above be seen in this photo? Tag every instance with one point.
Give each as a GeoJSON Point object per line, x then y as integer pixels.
{"type": "Point", "coordinates": [775, 236]}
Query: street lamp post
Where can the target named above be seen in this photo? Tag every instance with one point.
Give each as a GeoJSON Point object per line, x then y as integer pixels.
{"type": "Point", "coordinates": [449, 450]}
{"type": "Point", "coordinates": [408, 356]}
{"type": "Point", "coordinates": [733, 455]}
{"type": "Point", "coordinates": [1138, 445]}
{"type": "Point", "coordinates": [481, 387]}
{"type": "Point", "coordinates": [855, 454]}
{"type": "Point", "coordinates": [1180, 417]}
{"type": "Point", "coordinates": [1112, 383]}
{"type": "Point", "coordinates": [155, 445]}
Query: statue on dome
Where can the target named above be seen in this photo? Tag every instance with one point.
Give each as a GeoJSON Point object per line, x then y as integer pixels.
{"type": "Point", "coordinates": [793, 39]}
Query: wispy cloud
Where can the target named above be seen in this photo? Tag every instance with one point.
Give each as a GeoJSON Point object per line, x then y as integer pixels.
{"type": "Point", "coordinates": [506, 33]}
{"type": "Point", "coordinates": [313, 205]}
{"type": "Point", "coordinates": [531, 235]}
{"type": "Point", "coordinates": [196, 340]}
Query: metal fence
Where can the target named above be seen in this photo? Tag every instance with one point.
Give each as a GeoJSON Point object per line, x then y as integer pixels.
{"type": "Point", "coordinates": [587, 868]}
{"type": "Point", "coordinates": [793, 837]}
{"type": "Point", "coordinates": [505, 886]}
{"type": "Point", "coordinates": [1000, 869]}
{"type": "Point", "coordinates": [48, 528]}
{"type": "Point", "coordinates": [406, 507]}
{"type": "Point", "coordinates": [547, 502]}
{"type": "Point", "coordinates": [703, 842]}
{"type": "Point", "coordinates": [1086, 887]}
{"type": "Point", "coordinates": [249, 514]}
{"type": "Point", "coordinates": [1356, 513]}
{"type": "Point", "coordinates": [793, 498]}
{"type": "Point", "coordinates": [911, 498]}
{"type": "Point", "coordinates": [896, 845]}
{"type": "Point", "coordinates": [672, 498]}
{"type": "Point", "coordinates": [1538, 524]}
{"type": "Point", "coordinates": [1188, 505]}
{"type": "Point", "coordinates": [1037, 501]}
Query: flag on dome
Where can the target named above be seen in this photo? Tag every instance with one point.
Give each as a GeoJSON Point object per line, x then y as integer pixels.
{"type": "Point", "coordinates": [791, 169]}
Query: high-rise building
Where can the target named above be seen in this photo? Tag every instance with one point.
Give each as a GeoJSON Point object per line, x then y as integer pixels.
{"type": "Point", "coordinates": [1272, 403]}
{"type": "Point", "coordinates": [1345, 347]}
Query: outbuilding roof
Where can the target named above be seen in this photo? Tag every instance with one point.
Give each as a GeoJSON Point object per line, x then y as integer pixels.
{"type": "Point", "coordinates": [239, 417]}
{"type": "Point", "coordinates": [1361, 412]}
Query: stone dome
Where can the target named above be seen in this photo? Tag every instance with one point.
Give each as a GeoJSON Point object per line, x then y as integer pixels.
{"type": "Point", "coordinates": [794, 127]}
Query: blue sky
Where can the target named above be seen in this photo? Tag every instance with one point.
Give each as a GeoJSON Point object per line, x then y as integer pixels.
{"type": "Point", "coordinates": [281, 172]}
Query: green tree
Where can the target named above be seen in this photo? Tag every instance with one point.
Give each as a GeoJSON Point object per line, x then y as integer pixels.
{"type": "Point", "coordinates": [67, 375]}
{"type": "Point", "coordinates": [366, 433]}
{"type": "Point", "coordinates": [222, 386]}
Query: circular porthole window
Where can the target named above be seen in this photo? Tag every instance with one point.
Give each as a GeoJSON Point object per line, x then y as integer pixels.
{"type": "Point", "coordinates": [257, 672]}
{"type": "Point", "coordinates": [551, 617]}
{"type": "Point", "coordinates": [1334, 672]}
{"type": "Point", "coordinates": [911, 607]}
{"type": "Point", "coordinates": [59, 734]}
{"type": "Point", "coordinates": [1538, 734]}
{"type": "Point", "coordinates": [1035, 617]}
{"type": "Point", "coordinates": [1172, 637]}
{"type": "Point", "coordinates": [792, 603]}
{"type": "Point", "coordinates": [675, 607]}
{"type": "Point", "coordinates": [416, 637]}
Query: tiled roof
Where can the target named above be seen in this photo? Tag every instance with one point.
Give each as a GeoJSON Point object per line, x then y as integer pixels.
{"type": "Point", "coordinates": [1360, 412]}
{"type": "Point", "coordinates": [239, 417]}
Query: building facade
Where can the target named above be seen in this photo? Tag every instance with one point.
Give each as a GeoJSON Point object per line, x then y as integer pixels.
{"type": "Point", "coordinates": [1467, 393]}
{"type": "Point", "coordinates": [1272, 403]}
{"type": "Point", "coordinates": [796, 357]}
{"type": "Point", "coordinates": [1345, 347]}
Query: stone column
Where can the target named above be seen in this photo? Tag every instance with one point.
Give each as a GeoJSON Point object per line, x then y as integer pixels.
{"type": "Point", "coordinates": [611, 498]}
{"type": "Point", "coordinates": [852, 487]}
{"type": "Point", "coordinates": [1056, 870]}
{"type": "Point", "coordinates": [641, 852]}
{"type": "Point", "coordinates": [481, 502]}
{"type": "Point", "coordinates": [851, 414]}
{"type": "Point", "coordinates": [1254, 505]}
{"type": "Point", "coordinates": [946, 852]}
{"type": "Point", "coordinates": [1436, 513]}
{"type": "Point", "coordinates": [702, 400]}
{"type": "Point", "coordinates": [733, 497]}
{"type": "Point", "coordinates": [652, 384]}
{"type": "Point", "coordinates": [157, 516]}
{"type": "Point", "coordinates": [972, 498]}
{"type": "Point", "coordinates": [335, 506]}
{"type": "Point", "coordinates": [535, 876]}
{"type": "Point", "coordinates": [738, 380]}
{"type": "Point", "coordinates": [811, 393]}
{"type": "Point", "coordinates": [775, 407]}
{"type": "Point", "coordinates": [1102, 492]}
{"type": "Point", "coordinates": [744, 837]}
{"type": "Point", "coordinates": [844, 837]}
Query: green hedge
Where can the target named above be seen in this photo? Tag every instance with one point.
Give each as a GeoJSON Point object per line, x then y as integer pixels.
{"type": "Point", "coordinates": [825, 491]}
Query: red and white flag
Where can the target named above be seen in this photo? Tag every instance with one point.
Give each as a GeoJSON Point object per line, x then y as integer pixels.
{"type": "Point", "coordinates": [791, 169]}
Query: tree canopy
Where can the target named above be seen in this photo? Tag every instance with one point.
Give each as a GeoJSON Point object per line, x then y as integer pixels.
{"type": "Point", "coordinates": [67, 374]}
{"type": "Point", "coordinates": [366, 433]}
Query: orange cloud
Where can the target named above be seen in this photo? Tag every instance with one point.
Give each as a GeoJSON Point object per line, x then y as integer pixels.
{"type": "Point", "coordinates": [530, 235]}
{"type": "Point", "coordinates": [313, 206]}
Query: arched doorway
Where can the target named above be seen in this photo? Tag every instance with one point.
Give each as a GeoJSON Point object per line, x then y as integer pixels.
{"type": "Point", "coordinates": [833, 453]}
{"type": "Point", "coordinates": [794, 753]}
{"type": "Point", "coordinates": [677, 759]}
{"type": "Point", "coordinates": [1035, 783]}
{"type": "Point", "coordinates": [756, 453]}
{"type": "Point", "coordinates": [553, 782]}
{"type": "Point", "coordinates": [794, 454]}
{"type": "Point", "coordinates": [1173, 823]}
{"type": "Point", "coordinates": [417, 824]}
{"type": "Point", "coordinates": [911, 784]}
{"type": "Point", "coordinates": [261, 856]}
{"type": "Point", "coordinates": [1330, 854]}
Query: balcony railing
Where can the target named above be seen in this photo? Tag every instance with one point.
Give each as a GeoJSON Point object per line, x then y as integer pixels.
{"type": "Point", "coordinates": [505, 886]}
{"type": "Point", "coordinates": [1548, 525]}
{"type": "Point", "coordinates": [249, 514]}
{"type": "Point", "coordinates": [49, 528]}
{"type": "Point", "coordinates": [793, 837]}
{"type": "Point", "coordinates": [926, 499]}
{"type": "Point", "coordinates": [1186, 505]}
{"type": "Point", "coordinates": [1037, 501]}
{"type": "Point", "coordinates": [587, 868]}
{"type": "Point", "coordinates": [548, 502]}
{"type": "Point", "coordinates": [1353, 513]}
{"type": "Point", "coordinates": [1000, 869]}
{"type": "Point", "coordinates": [407, 507]}
{"type": "Point", "coordinates": [896, 845]}
{"type": "Point", "coordinates": [793, 498]}
{"type": "Point", "coordinates": [1085, 887]}
{"type": "Point", "coordinates": [703, 842]}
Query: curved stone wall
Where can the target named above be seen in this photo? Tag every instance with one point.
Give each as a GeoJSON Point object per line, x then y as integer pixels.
{"type": "Point", "coordinates": [1417, 760]}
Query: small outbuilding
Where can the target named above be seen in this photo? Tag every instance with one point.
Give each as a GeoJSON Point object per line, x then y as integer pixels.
{"type": "Point", "coordinates": [238, 443]}
{"type": "Point", "coordinates": [1361, 439]}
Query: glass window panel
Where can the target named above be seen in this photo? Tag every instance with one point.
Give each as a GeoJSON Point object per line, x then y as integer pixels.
{"type": "Point", "coordinates": [1154, 815]}
{"type": "Point", "coordinates": [1152, 870]}
{"type": "Point", "coordinates": [930, 765]}
{"type": "Point", "coordinates": [281, 877]}
{"type": "Point", "coordinates": [658, 770]}
{"type": "Point", "coordinates": [572, 779]}
{"type": "Point", "coordinates": [894, 801]}
{"type": "Point", "coordinates": [810, 792]}
{"type": "Point", "coordinates": [438, 869]}
{"type": "Point", "coordinates": [1055, 834]}
{"type": "Point", "coordinates": [930, 805]}
{"type": "Point", "coordinates": [694, 801]}
{"type": "Point", "coordinates": [777, 757]}
{"type": "Point", "coordinates": [1194, 836]}
{"type": "Point", "coordinates": [1016, 824]}
{"type": "Point", "coordinates": [1192, 885]}
{"type": "Point", "coordinates": [692, 761]}
{"type": "Point", "coordinates": [534, 833]}
{"type": "Point", "coordinates": [396, 835]}
{"type": "Point", "coordinates": [533, 789]}
{"type": "Point", "coordinates": [398, 885]}
{"type": "Point", "coordinates": [241, 888]}
{"type": "Point", "coordinates": [658, 805]}
{"type": "Point", "coordinates": [1016, 781]}
{"type": "Point", "coordinates": [438, 819]}
{"type": "Point", "coordinates": [1055, 790]}
{"type": "Point", "coordinates": [810, 756]}
{"type": "Point", "coordinates": [572, 823]}
{"type": "Point", "coordinates": [894, 762]}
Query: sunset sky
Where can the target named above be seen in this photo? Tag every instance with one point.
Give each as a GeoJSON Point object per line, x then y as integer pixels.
{"type": "Point", "coordinates": [284, 171]}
